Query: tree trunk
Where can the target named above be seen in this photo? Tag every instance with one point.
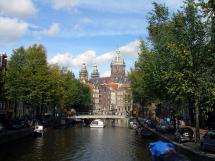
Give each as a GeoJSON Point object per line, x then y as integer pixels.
{"type": "Point", "coordinates": [197, 119]}
{"type": "Point", "coordinates": [191, 113]}
{"type": "Point", "coordinates": [15, 109]}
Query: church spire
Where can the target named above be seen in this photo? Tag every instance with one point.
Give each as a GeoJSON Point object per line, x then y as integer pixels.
{"type": "Point", "coordinates": [118, 68]}
{"type": "Point", "coordinates": [118, 60]}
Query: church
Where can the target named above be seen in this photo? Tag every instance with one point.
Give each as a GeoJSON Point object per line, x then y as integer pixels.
{"type": "Point", "coordinates": [109, 94]}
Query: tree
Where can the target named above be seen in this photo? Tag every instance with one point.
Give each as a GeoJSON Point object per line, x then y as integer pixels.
{"type": "Point", "coordinates": [183, 49]}
{"type": "Point", "coordinates": [179, 66]}
{"type": "Point", "coordinates": [27, 76]}
{"type": "Point", "coordinates": [32, 81]}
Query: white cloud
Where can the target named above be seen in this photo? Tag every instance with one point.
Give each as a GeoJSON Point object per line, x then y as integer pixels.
{"type": "Point", "coordinates": [17, 8]}
{"type": "Point", "coordinates": [87, 57]}
{"type": "Point", "coordinates": [64, 59]}
{"type": "Point", "coordinates": [90, 57]}
{"type": "Point", "coordinates": [104, 57]}
{"type": "Point", "coordinates": [131, 49]}
{"type": "Point", "coordinates": [51, 31]}
{"type": "Point", "coordinates": [11, 29]}
{"type": "Point", "coordinates": [61, 4]}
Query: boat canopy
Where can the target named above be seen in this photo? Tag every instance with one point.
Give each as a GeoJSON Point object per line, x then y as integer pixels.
{"type": "Point", "coordinates": [159, 148]}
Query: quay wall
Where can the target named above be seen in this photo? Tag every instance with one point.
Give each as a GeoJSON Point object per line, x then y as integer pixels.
{"type": "Point", "coordinates": [12, 135]}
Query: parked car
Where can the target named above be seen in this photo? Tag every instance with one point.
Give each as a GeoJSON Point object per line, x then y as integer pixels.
{"type": "Point", "coordinates": [162, 127]}
{"type": "Point", "coordinates": [208, 141]}
{"type": "Point", "coordinates": [143, 132]}
{"type": "Point", "coordinates": [184, 134]}
{"type": "Point", "coordinates": [150, 123]}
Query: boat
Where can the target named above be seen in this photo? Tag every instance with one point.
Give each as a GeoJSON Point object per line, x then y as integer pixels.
{"type": "Point", "coordinates": [39, 130]}
{"type": "Point", "coordinates": [144, 132]}
{"type": "Point", "coordinates": [97, 123]}
{"type": "Point", "coordinates": [165, 151]}
{"type": "Point", "coordinates": [133, 123]}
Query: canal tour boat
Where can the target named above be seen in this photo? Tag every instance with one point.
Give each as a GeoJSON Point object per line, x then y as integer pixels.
{"type": "Point", "coordinates": [97, 123]}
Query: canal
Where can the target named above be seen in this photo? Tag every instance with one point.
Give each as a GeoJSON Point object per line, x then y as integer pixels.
{"type": "Point", "coordinates": [80, 144]}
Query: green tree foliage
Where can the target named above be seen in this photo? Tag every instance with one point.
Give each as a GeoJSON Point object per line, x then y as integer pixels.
{"type": "Point", "coordinates": [179, 66]}
{"type": "Point", "coordinates": [31, 80]}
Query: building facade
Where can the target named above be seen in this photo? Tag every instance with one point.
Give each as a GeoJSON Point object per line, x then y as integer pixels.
{"type": "Point", "coordinates": [109, 94]}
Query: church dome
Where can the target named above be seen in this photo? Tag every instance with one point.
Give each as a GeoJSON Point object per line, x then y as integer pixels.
{"type": "Point", "coordinates": [83, 68]}
{"type": "Point", "coordinates": [83, 73]}
{"type": "Point", "coordinates": [95, 72]}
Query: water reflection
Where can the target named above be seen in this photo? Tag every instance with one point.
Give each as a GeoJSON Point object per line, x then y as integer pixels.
{"type": "Point", "coordinates": [79, 144]}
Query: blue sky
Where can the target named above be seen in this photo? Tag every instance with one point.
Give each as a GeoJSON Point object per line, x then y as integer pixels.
{"type": "Point", "coordinates": [78, 31]}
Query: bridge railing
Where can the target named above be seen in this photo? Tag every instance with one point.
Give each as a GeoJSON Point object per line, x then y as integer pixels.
{"type": "Point", "coordinates": [102, 113]}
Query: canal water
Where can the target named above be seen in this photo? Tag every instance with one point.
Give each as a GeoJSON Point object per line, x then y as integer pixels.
{"type": "Point", "coordinates": [79, 144]}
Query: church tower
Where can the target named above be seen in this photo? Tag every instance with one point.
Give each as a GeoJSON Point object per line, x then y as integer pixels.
{"type": "Point", "coordinates": [83, 74]}
{"type": "Point", "coordinates": [118, 69]}
{"type": "Point", "coordinates": [95, 72]}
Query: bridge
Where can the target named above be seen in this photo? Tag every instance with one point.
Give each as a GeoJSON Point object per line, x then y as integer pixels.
{"type": "Point", "coordinates": [116, 119]}
{"type": "Point", "coordinates": [97, 116]}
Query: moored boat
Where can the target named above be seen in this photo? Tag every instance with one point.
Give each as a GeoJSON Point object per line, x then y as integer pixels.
{"type": "Point", "coordinates": [163, 151]}
{"type": "Point", "coordinates": [97, 123]}
{"type": "Point", "coordinates": [144, 132]}
{"type": "Point", "coordinates": [39, 130]}
{"type": "Point", "coordinates": [134, 123]}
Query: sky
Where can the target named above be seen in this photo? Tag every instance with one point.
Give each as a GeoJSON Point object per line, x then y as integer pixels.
{"type": "Point", "coordinates": [78, 31]}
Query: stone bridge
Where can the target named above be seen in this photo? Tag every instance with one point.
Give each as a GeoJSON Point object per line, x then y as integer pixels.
{"type": "Point", "coordinates": [98, 117]}
{"type": "Point", "coordinates": [117, 119]}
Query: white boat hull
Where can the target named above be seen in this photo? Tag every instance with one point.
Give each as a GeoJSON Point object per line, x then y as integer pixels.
{"type": "Point", "coordinates": [39, 130]}
{"type": "Point", "coordinates": [97, 124]}
{"type": "Point", "coordinates": [100, 126]}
